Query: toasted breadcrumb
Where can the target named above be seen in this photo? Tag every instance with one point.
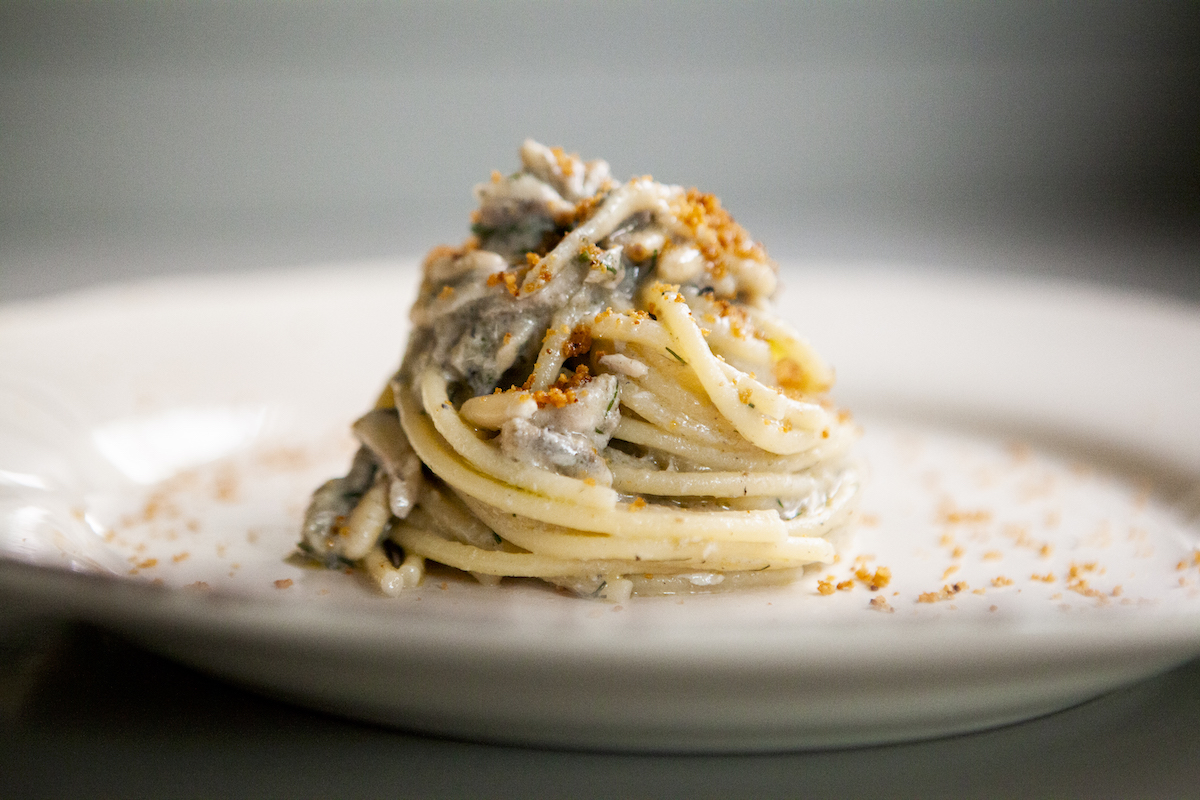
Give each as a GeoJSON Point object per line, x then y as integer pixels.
{"type": "Point", "coordinates": [715, 232]}
{"type": "Point", "coordinates": [586, 207]}
{"type": "Point", "coordinates": [876, 580]}
{"type": "Point", "coordinates": [507, 278]}
{"type": "Point", "coordinates": [554, 397]}
{"type": "Point", "coordinates": [789, 374]}
{"type": "Point", "coordinates": [566, 162]}
{"type": "Point", "coordinates": [945, 593]}
{"type": "Point", "coordinates": [953, 516]}
{"type": "Point", "coordinates": [579, 343]}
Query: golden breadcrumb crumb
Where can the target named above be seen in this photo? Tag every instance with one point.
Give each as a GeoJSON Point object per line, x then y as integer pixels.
{"type": "Point", "coordinates": [880, 603]}
{"type": "Point", "coordinates": [790, 375]}
{"type": "Point", "coordinates": [953, 516]}
{"type": "Point", "coordinates": [945, 593]}
{"type": "Point", "coordinates": [554, 397]}
{"type": "Point", "coordinates": [716, 233]}
{"type": "Point", "coordinates": [875, 581]}
{"type": "Point", "coordinates": [566, 161]}
{"type": "Point", "coordinates": [507, 278]}
{"type": "Point", "coordinates": [579, 343]}
{"type": "Point", "coordinates": [586, 207]}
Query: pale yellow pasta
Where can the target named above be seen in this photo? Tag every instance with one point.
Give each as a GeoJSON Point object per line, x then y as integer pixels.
{"type": "Point", "coordinates": [488, 460]}
{"type": "Point", "coordinates": [625, 519]}
{"type": "Point", "coordinates": [366, 522]}
{"type": "Point", "coordinates": [567, 543]}
{"type": "Point", "coordinates": [643, 423]}
{"type": "Point", "coordinates": [392, 579]}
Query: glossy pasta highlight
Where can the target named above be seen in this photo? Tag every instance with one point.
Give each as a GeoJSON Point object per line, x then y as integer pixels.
{"type": "Point", "coordinates": [596, 394]}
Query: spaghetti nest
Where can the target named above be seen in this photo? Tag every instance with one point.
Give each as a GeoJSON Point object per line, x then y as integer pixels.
{"type": "Point", "coordinates": [596, 394]}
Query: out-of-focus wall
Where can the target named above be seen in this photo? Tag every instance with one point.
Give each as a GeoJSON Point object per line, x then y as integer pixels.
{"type": "Point", "coordinates": [357, 128]}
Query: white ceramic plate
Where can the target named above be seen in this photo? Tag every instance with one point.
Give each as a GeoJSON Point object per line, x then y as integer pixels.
{"type": "Point", "coordinates": [1034, 453]}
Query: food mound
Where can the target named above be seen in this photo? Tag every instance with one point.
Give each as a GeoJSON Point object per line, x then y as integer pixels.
{"type": "Point", "coordinates": [595, 394]}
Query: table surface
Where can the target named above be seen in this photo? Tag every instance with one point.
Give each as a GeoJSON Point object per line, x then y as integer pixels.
{"type": "Point", "coordinates": [83, 713]}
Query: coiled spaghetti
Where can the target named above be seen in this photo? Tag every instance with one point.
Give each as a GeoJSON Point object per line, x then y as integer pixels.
{"type": "Point", "coordinates": [596, 394]}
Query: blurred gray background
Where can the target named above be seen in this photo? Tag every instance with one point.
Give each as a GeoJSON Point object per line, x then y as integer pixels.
{"type": "Point", "coordinates": [145, 138]}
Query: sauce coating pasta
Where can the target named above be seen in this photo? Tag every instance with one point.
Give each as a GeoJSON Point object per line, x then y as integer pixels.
{"type": "Point", "coordinates": [595, 393]}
